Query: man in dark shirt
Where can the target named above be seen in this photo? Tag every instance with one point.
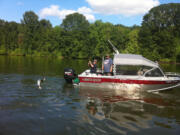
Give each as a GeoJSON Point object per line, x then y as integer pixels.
{"type": "Point", "coordinates": [93, 66]}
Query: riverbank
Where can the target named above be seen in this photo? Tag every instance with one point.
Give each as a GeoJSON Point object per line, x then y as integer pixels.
{"type": "Point", "coordinates": [58, 55]}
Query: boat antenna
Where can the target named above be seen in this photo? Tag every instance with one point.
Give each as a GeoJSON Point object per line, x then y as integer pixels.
{"type": "Point", "coordinates": [114, 48]}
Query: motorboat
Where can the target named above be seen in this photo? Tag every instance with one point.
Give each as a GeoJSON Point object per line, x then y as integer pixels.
{"type": "Point", "coordinates": [130, 71]}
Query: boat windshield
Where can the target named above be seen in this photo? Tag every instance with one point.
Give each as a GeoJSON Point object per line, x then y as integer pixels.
{"type": "Point", "coordinates": [131, 70]}
{"type": "Point", "coordinates": [155, 72]}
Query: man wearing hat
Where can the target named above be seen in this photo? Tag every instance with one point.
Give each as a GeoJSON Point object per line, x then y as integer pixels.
{"type": "Point", "coordinates": [107, 65]}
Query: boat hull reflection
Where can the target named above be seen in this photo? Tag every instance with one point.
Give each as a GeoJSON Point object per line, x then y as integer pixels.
{"type": "Point", "coordinates": [129, 109]}
{"type": "Point", "coordinates": [113, 95]}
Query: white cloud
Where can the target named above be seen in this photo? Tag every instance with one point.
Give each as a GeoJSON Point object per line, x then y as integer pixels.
{"type": "Point", "coordinates": [54, 10]}
{"type": "Point", "coordinates": [84, 10]}
{"type": "Point", "coordinates": [87, 12]}
{"type": "Point", "coordinates": [122, 7]}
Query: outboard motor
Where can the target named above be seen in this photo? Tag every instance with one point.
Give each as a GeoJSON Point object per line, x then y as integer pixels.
{"type": "Point", "coordinates": [69, 75]}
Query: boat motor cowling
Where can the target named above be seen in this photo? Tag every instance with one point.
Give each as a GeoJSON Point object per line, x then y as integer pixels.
{"type": "Point", "coordinates": [69, 75]}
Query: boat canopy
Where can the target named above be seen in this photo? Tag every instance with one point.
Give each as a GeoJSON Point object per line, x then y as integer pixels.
{"type": "Point", "coordinates": [133, 59]}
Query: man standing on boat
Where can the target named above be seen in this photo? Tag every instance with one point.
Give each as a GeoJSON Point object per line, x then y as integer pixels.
{"type": "Point", "coordinates": [107, 65]}
{"type": "Point", "coordinates": [93, 66]}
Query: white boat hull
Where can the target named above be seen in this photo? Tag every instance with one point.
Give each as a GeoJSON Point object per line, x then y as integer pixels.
{"type": "Point", "coordinates": [138, 83]}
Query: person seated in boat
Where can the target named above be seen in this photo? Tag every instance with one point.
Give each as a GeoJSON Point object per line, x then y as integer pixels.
{"type": "Point", "coordinates": [107, 65]}
{"type": "Point", "coordinates": [93, 66]}
{"type": "Point", "coordinates": [141, 71]}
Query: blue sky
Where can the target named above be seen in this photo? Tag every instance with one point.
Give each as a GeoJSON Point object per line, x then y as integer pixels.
{"type": "Point", "coordinates": [126, 12]}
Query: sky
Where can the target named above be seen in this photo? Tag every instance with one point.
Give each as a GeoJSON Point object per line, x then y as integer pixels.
{"type": "Point", "coordinates": [125, 12]}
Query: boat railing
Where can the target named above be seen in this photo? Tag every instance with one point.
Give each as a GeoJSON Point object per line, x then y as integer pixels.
{"type": "Point", "coordinates": [172, 74]}
{"type": "Point", "coordinates": [87, 72]}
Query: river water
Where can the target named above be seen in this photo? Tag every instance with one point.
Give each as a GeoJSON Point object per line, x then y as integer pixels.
{"type": "Point", "coordinates": [62, 109]}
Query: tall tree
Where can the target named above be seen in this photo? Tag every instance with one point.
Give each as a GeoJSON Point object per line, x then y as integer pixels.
{"type": "Point", "coordinates": [75, 21]}
{"type": "Point", "coordinates": [30, 19]}
{"type": "Point", "coordinates": [2, 37]}
{"type": "Point", "coordinates": [159, 31]}
{"type": "Point", "coordinates": [132, 45]}
{"type": "Point", "coordinates": [76, 35]}
{"type": "Point", "coordinates": [31, 26]}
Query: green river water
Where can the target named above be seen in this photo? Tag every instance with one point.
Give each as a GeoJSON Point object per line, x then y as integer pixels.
{"type": "Point", "coordinates": [62, 109]}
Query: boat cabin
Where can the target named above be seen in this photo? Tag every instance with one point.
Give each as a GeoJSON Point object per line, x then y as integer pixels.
{"type": "Point", "coordinates": [131, 64]}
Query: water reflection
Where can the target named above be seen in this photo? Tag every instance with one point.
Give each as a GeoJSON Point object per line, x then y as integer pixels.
{"type": "Point", "coordinates": [131, 111]}
{"type": "Point", "coordinates": [38, 65]}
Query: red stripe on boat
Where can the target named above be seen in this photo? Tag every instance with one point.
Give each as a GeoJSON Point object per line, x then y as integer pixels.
{"type": "Point", "coordinates": [111, 80]}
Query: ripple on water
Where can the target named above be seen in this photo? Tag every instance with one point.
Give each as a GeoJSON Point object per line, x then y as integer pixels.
{"type": "Point", "coordinates": [60, 108]}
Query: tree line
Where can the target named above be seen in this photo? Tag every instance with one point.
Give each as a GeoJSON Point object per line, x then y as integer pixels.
{"type": "Point", "coordinates": [158, 38]}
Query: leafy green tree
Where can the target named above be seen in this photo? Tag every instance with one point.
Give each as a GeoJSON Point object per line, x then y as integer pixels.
{"type": "Point", "coordinates": [75, 36]}
{"type": "Point", "coordinates": [159, 30]}
{"type": "Point", "coordinates": [100, 33]}
{"type": "Point", "coordinates": [45, 24]}
{"type": "Point", "coordinates": [2, 37]}
{"type": "Point", "coordinates": [76, 22]}
{"type": "Point", "coordinates": [132, 45]}
{"type": "Point", "coordinates": [30, 19]}
{"type": "Point", "coordinates": [11, 39]}
{"type": "Point", "coordinates": [43, 33]}
{"type": "Point", "coordinates": [31, 26]}
{"type": "Point", "coordinates": [119, 36]}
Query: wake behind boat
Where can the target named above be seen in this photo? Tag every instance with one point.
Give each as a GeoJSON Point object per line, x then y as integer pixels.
{"type": "Point", "coordinates": [130, 71]}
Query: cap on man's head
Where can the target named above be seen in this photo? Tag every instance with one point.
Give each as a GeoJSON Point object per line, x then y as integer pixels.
{"type": "Point", "coordinates": [107, 55]}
